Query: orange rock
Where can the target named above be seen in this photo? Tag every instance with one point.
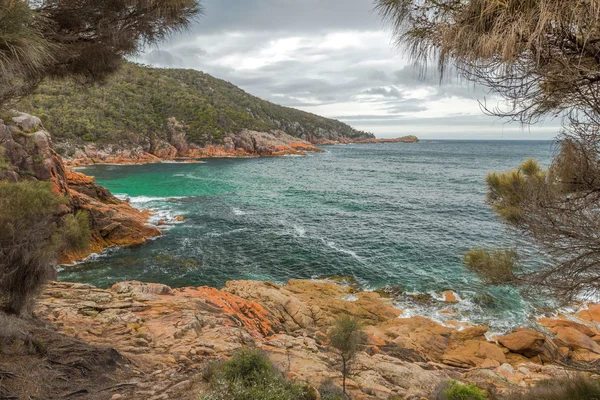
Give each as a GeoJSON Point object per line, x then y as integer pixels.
{"type": "Point", "coordinates": [180, 219]}
{"type": "Point", "coordinates": [576, 339]}
{"type": "Point", "coordinates": [474, 353]}
{"type": "Point", "coordinates": [530, 344]}
{"type": "Point", "coordinates": [591, 314]}
{"type": "Point", "coordinates": [553, 323]}
{"type": "Point", "coordinates": [450, 297]}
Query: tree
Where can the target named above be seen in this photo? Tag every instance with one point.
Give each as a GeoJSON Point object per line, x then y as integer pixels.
{"type": "Point", "coordinates": [79, 38]}
{"type": "Point", "coordinates": [32, 234]}
{"type": "Point", "coordinates": [345, 337]}
{"type": "Point", "coordinates": [542, 57]}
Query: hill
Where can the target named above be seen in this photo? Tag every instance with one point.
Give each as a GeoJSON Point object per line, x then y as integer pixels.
{"type": "Point", "coordinates": [140, 104]}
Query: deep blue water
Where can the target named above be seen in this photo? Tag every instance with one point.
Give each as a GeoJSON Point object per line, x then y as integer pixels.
{"type": "Point", "coordinates": [388, 214]}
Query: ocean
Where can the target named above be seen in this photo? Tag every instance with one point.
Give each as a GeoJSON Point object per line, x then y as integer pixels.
{"type": "Point", "coordinates": [392, 216]}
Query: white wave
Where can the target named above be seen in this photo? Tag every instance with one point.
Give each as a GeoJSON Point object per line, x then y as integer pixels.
{"type": "Point", "coordinates": [341, 250]}
{"type": "Point", "coordinates": [300, 231]}
{"type": "Point", "coordinates": [237, 211]}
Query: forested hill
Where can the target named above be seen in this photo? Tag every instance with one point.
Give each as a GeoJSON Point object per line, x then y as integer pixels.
{"type": "Point", "coordinates": [138, 101]}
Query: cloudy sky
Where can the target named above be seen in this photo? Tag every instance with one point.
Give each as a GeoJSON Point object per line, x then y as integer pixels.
{"type": "Point", "coordinates": [334, 58]}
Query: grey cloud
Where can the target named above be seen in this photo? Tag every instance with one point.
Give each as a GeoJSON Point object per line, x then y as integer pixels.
{"type": "Point", "coordinates": [234, 41]}
{"type": "Point", "coordinates": [391, 92]}
{"type": "Point", "coordinates": [286, 15]}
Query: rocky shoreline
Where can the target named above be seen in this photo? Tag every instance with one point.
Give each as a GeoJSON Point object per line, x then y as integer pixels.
{"type": "Point", "coordinates": [244, 144]}
{"type": "Point", "coordinates": [30, 154]}
{"type": "Point", "coordinates": [172, 335]}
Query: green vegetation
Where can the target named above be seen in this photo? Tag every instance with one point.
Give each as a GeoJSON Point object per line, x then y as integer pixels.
{"type": "Point", "coordinates": [329, 391]}
{"type": "Point", "coordinates": [346, 336]}
{"type": "Point", "coordinates": [249, 375]}
{"type": "Point", "coordinates": [72, 38]}
{"type": "Point", "coordinates": [455, 390]}
{"type": "Point", "coordinates": [577, 388]}
{"type": "Point", "coordinates": [495, 266]}
{"type": "Point", "coordinates": [137, 102]}
{"type": "Point", "coordinates": [541, 58]}
{"type": "Point", "coordinates": [32, 234]}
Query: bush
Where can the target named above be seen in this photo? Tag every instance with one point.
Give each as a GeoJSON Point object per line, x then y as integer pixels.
{"type": "Point", "coordinates": [329, 391]}
{"type": "Point", "coordinates": [495, 267]}
{"type": "Point", "coordinates": [249, 375]}
{"type": "Point", "coordinates": [577, 388]}
{"type": "Point", "coordinates": [455, 390]}
{"type": "Point", "coordinates": [32, 234]}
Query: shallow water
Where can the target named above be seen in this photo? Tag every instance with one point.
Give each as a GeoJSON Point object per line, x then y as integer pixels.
{"type": "Point", "coordinates": [392, 214]}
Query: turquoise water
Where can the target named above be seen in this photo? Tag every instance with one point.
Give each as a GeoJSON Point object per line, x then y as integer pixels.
{"type": "Point", "coordinates": [395, 214]}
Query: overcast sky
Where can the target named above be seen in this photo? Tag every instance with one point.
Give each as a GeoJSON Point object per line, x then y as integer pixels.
{"type": "Point", "coordinates": [333, 58]}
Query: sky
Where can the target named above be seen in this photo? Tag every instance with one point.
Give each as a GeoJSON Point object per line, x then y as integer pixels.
{"type": "Point", "coordinates": [334, 58]}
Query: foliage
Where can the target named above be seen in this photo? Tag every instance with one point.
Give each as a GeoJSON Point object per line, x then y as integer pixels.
{"type": "Point", "coordinates": [329, 391]}
{"type": "Point", "coordinates": [86, 39]}
{"type": "Point", "coordinates": [577, 388]}
{"type": "Point", "coordinates": [346, 336]}
{"type": "Point", "coordinates": [137, 102]}
{"type": "Point", "coordinates": [541, 57]}
{"type": "Point", "coordinates": [23, 50]}
{"type": "Point", "coordinates": [495, 266]}
{"type": "Point", "coordinates": [31, 237]}
{"type": "Point", "coordinates": [558, 209]}
{"type": "Point", "coordinates": [249, 375]}
{"type": "Point", "coordinates": [455, 390]}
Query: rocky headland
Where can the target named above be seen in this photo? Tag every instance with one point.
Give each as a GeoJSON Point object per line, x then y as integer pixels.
{"type": "Point", "coordinates": [243, 144]}
{"type": "Point", "coordinates": [28, 150]}
{"type": "Point", "coordinates": [160, 340]}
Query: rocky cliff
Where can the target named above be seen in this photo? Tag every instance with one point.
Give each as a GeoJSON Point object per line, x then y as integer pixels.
{"type": "Point", "coordinates": [169, 337]}
{"type": "Point", "coordinates": [242, 144]}
{"type": "Point", "coordinates": [28, 153]}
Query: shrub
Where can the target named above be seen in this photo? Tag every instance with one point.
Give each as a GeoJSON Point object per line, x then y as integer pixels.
{"type": "Point", "coordinates": [577, 388]}
{"type": "Point", "coordinates": [329, 391]}
{"type": "Point", "coordinates": [495, 267]}
{"type": "Point", "coordinates": [346, 336]}
{"type": "Point", "coordinates": [31, 236]}
{"type": "Point", "coordinates": [455, 390]}
{"type": "Point", "coordinates": [249, 375]}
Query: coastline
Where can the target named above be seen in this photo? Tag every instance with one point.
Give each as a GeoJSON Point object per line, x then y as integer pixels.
{"type": "Point", "coordinates": [90, 155]}
{"type": "Point", "coordinates": [176, 332]}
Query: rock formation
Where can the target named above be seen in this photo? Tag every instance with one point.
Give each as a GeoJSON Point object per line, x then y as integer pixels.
{"type": "Point", "coordinates": [243, 144]}
{"type": "Point", "coordinates": [29, 153]}
{"type": "Point", "coordinates": [173, 334]}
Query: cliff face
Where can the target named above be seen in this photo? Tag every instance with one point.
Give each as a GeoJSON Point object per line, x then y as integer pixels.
{"type": "Point", "coordinates": [243, 144]}
{"type": "Point", "coordinates": [172, 334]}
{"type": "Point", "coordinates": [28, 151]}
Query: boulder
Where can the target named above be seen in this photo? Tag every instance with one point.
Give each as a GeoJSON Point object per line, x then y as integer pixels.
{"type": "Point", "coordinates": [576, 339]}
{"type": "Point", "coordinates": [530, 344]}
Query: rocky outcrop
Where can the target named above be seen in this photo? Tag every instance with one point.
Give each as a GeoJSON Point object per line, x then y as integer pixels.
{"type": "Point", "coordinates": [243, 144]}
{"type": "Point", "coordinates": [29, 154]}
{"type": "Point", "coordinates": [175, 333]}
{"type": "Point", "coordinates": [27, 149]}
